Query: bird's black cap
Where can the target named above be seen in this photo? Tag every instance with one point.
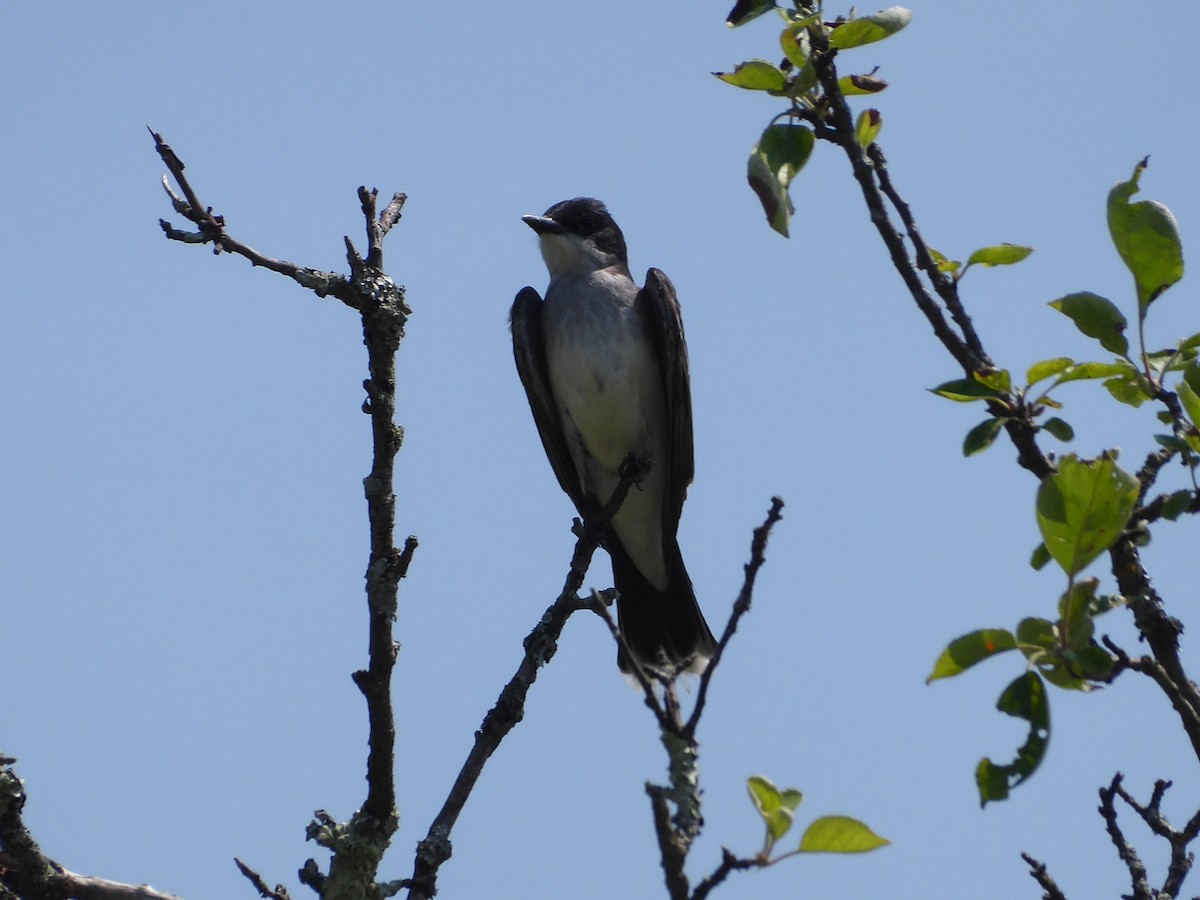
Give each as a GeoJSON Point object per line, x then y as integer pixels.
{"type": "Point", "coordinates": [584, 217]}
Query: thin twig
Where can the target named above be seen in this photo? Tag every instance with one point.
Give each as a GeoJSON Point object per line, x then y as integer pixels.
{"type": "Point", "coordinates": [279, 892]}
{"type": "Point", "coordinates": [729, 863]}
{"type": "Point", "coordinates": [1037, 871]}
{"type": "Point", "coordinates": [212, 230]}
{"type": "Point", "coordinates": [741, 606]}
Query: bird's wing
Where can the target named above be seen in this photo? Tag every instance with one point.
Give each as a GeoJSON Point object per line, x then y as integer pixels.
{"type": "Point", "coordinates": [529, 350]}
{"type": "Point", "coordinates": [659, 307]}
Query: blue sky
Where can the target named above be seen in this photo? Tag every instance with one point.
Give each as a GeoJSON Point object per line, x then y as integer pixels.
{"type": "Point", "coordinates": [184, 527]}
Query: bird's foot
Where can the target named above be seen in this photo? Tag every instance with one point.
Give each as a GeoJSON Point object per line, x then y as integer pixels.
{"type": "Point", "coordinates": [634, 468]}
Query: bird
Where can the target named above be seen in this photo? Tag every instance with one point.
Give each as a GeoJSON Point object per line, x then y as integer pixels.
{"type": "Point", "coordinates": [604, 365]}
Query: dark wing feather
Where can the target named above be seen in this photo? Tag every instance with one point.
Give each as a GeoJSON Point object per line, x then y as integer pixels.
{"type": "Point", "coordinates": [529, 350]}
{"type": "Point", "coordinates": [659, 306]}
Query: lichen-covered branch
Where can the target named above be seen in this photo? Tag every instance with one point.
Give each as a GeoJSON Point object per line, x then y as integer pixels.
{"type": "Point", "coordinates": [26, 873]}
{"type": "Point", "coordinates": [358, 845]}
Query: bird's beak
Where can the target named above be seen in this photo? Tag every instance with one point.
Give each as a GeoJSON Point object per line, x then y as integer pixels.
{"type": "Point", "coordinates": [543, 225]}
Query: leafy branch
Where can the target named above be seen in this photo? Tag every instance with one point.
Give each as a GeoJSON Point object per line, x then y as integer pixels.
{"type": "Point", "coordinates": [1085, 507]}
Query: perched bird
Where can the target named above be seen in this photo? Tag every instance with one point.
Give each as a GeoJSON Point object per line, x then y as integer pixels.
{"type": "Point", "coordinates": [604, 365]}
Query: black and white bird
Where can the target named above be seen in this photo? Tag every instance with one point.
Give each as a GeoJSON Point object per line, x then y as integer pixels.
{"type": "Point", "coordinates": [604, 364]}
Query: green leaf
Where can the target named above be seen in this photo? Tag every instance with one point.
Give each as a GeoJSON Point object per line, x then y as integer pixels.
{"type": "Point", "coordinates": [773, 805]}
{"type": "Point", "coordinates": [867, 127]}
{"type": "Point", "coordinates": [999, 255]}
{"type": "Point", "coordinates": [1059, 428]}
{"type": "Point", "coordinates": [1093, 370]}
{"type": "Point", "coordinates": [963, 652]}
{"type": "Point", "coordinates": [840, 834]}
{"type": "Point", "coordinates": [794, 41]}
{"type": "Point", "coordinates": [1128, 388]}
{"type": "Point", "coordinates": [981, 436]}
{"type": "Point", "coordinates": [1147, 238]}
{"type": "Point", "coordinates": [1025, 698]}
{"type": "Point", "coordinates": [868, 29]}
{"type": "Point", "coordinates": [1083, 508]}
{"type": "Point", "coordinates": [755, 75]}
{"type": "Point", "coordinates": [1047, 368]}
{"type": "Point", "coordinates": [1075, 612]}
{"type": "Point", "coordinates": [1190, 401]}
{"type": "Point", "coordinates": [1039, 557]}
{"type": "Point", "coordinates": [857, 85]}
{"type": "Point", "coordinates": [1176, 504]}
{"type": "Point", "coordinates": [745, 10]}
{"type": "Point", "coordinates": [780, 153]}
{"type": "Point", "coordinates": [1094, 661]}
{"type": "Point", "coordinates": [1173, 442]}
{"type": "Point", "coordinates": [1189, 392]}
{"type": "Point", "coordinates": [964, 390]}
{"type": "Point", "coordinates": [996, 379]}
{"type": "Point", "coordinates": [1161, 361]}
{"type": "Point", "coordinates": [944, 264]}
{"type": "Point", "coordinates": [1035, 635]}
{"type": "Point", "coordinates": [1097, 317]}
{"type": "Point", "coordinates": [802, 81]}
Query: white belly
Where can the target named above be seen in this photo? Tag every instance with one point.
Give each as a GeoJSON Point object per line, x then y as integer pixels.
{"type": "Point", "coordinates": [606, 382]}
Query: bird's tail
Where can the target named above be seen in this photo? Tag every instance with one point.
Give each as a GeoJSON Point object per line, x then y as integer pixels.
{"type": "Point", "coordinates": [665, 630]}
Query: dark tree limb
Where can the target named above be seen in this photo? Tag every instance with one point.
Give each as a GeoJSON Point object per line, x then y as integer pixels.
{"type": "Point", "coordinates": [729, 864]}
{"type": "Point", "coordinates": [1129, 856]}
{"type": "Point", "coordinates": [870, 170]}
{"type": "Point", "coordinates": [832, 121]}
{"type": "Point", "coordinates": [1151, 814]}
{"type": "Point", "coordinates": [26, 873]}
{"type": "Point", "coordinates": [359, 844]}
{"type": "Point", "coordinates": [1161, 633]}
{"type": "Point", "coordinates": [540, 646]}
{"type": "Point", "coordinates": [1037, 871]}
{"type": "Point", "coordinates": [279, 892]}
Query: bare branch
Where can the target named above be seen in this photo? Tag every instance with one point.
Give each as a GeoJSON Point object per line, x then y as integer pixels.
{"type": "Point", "coordinates": [279, 892]}
{"type": "Point", "coordinates": [212, 230]}
{"type": "Point", "coordinates": [540, 646]}
{"type": "Point", "coordinates": [359, 844]}
{"type": "Point", "coordinates": [741, 606]}
{"type": "Point", "coordinates": [671, 846]}
{"type": "Point", "coordinates": [729, 863]}
{"type": "Point", "coordinates": [1129, 856]}
{"type": "Point", "coordinates": [1037, 871]}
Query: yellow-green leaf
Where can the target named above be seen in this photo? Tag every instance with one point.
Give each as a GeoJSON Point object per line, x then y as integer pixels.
{"type": "Point", "coordinates": [999, 255]}
{"type": "Point", "coordinates": [840, 834]}
{"type": "Point", "coordinates": [755, 75]}
{"type": "Point", "coordinates": [866, 129]}
{"type": "Point", "coordinates": [868, 29]}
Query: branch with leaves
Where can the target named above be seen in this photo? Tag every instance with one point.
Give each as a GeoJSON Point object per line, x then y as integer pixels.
{"type": "Point", "coordinates": [1085, 507]}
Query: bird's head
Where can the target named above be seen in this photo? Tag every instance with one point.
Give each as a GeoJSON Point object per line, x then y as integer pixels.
{"type": "Point", "coordinates": [579, 236]}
